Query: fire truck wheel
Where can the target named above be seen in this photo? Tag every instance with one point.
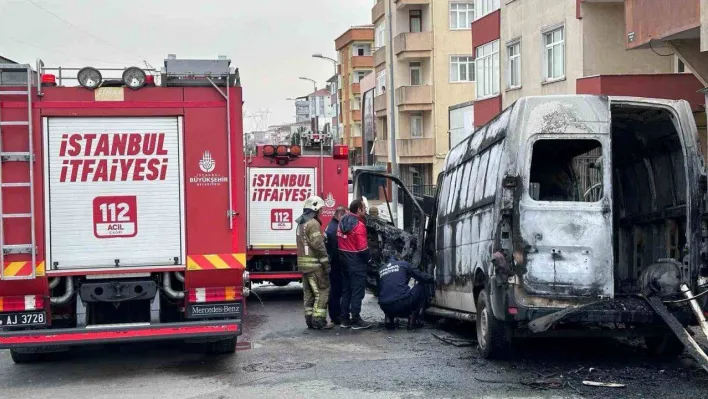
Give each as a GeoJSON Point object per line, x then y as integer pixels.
{"type": "Point", "coordinates": [665, 346]}
{"type": "Point", "coordinates": [493, 336]}
{"type": "Point", "coordinates": [223, 346]}
{"type": "Point", "coordinates": [21, 357]}
{"type": "Point", "coordinates": [280, 283]}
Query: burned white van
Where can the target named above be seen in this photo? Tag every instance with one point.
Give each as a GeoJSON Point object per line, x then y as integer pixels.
{"type": "Point", "coordinates": [554, 215]}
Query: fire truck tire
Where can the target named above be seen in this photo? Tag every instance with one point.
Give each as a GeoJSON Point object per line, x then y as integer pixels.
{"type": "Point", "coordinates": [493, 336]}
{"type": "Point", "coordinates": [665, 346]}
{"type": "Point", "coordinates": [280, 283]}
{"type": "Point", "coordinates": [223, 346]}
{"type": "Point", "coordinates": [21, 357]}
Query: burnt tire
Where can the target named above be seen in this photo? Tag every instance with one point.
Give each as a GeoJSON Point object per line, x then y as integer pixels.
{"type": "Point", "coordinates": [665, 346]}
{"type": "Point", "coordinates": [493, 336]}
{"type": "Point", "coordinates": [21, 357]}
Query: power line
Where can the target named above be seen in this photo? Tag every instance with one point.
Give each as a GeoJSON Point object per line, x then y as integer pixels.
{"type": "Point", "coordinates": [62, 53]}
{"type": "Point", "coordinates": [82, 30]}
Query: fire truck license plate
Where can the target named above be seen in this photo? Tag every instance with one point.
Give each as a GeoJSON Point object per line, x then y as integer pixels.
{"type": "Point", "coordinates": [115, 217]}
{"type": "Point", "coordinates": [23, 319]}
{"type": "Point", "coordinates": [281, 219]}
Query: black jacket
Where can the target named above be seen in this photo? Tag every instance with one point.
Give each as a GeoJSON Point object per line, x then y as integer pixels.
{"type": "Point", "coordinates": [331, 243]}
{"type": "Point", "coordinates": [394, 278]}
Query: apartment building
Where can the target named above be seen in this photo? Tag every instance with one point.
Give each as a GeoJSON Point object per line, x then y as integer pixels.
{"type": "Point", "coordinates": [355, 57]}
{"type": "Point", "coordinates": [321, 106]}
{"type": "Point", "coordinates": [433, 69]}
{"type": "Point", "coordinates": [545, 47]}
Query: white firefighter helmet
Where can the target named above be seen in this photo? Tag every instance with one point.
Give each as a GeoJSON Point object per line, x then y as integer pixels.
{"type": "Point", "coordinates": [314, 203]}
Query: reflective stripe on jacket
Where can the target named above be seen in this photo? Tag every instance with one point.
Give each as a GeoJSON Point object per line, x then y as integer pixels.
{"type": "Point", "coordinates": [311, 251]}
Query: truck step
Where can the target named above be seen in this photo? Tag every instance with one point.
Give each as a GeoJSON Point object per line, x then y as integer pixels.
{"type": "Point", "coordinates": [16, 215]}
{"type": "Point", "coordinates": [17, 249]}
{"type": "Point", "coordinates": [15, 185]}
{"type": "Point", "coordinates": [15, 156]}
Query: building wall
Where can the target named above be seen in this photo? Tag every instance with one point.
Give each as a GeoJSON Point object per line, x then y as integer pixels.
{"type": "Point", "coordinates": [446, 43]}
{"type": "Point", "coordinates": [526, 19]}
{"type": "Point", "coordinates": [604, 49]}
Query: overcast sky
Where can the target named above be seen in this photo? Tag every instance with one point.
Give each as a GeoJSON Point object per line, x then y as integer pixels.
{"type": "Point", "coordinates": [270, 41]}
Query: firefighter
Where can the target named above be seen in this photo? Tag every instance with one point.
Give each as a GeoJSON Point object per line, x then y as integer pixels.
{"type": "Point", "coordinates": [396, 298]}
{"type": "Point", "coordinates": [313, 262]}
{"type": "Point", "coordinates": [355, 256]}
{"type": "Point", "coordinates": [335, 275]}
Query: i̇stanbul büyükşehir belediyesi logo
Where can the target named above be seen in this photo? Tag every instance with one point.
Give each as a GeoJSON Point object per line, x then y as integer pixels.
{"type": "Point", "coordinates": [208, 178]}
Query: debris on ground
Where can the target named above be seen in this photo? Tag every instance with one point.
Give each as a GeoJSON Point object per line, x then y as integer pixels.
{"type": "Point", "coordinates": [603, 384]}
{"type": "Point", "coordinates": [455, 340]}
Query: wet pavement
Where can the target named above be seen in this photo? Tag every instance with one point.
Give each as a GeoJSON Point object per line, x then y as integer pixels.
{"type": "Point", "coordinates": [279, 358]}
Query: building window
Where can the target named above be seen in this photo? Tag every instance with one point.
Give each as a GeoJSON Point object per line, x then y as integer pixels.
{"type": "Point", "coordinates": [381, 82]}
{"type": "Point", "coordinates": [484, 7]}
{"type": "Point", "coordinates": [488, 69]}
{"type": "Point", "coordinates": [554, 54]}
{"type": "Point", "coordinates": [415, 18]}
{"type": "Point", "coordinates": [416, 75]}
{"type": "Point", "coordinates": [462, 69]}
{"type": "Point", "coordinates": [417, 126]}
{"type": "Point", "coordinates": [513, 52]}
{"type": "Point", "coordinates": [361, 50]}
{"type": "Point", "coordinates": [380, 35]}
{"type": "Point", "coordinates": [461, 15]}
{"type": "Point", "coordinates": [357, 76]}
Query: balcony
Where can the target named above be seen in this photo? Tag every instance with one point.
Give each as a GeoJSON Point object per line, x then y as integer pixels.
{"type": "Point", "coordinates": [381, 148]}
{"type": "Point", "coordinates": [378, 11]}
{"type": "Point", "coordinates": [401, 4]}
{"type": "Point", "coordinates": [411, 45]}
{"type": "Point", "coordinates": [356, 115]}
{"type": "Point", "coordinates": [414, 98]}
{"type": "Point", "coordinates": [380, 105]}
{"type": "Point", "coordinates": [380, 56]}
{"type": "Point", "coordinates": [415, 148]}
{"type": "Point", "coordinates": [362, 61]}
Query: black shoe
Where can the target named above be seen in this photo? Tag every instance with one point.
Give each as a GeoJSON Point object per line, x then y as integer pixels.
{"type": "Point", "coordinates": [413, 323]}
{"type": "Point", "coordinates": [360, 324]}
{"type": "Point", "coordinates": [390, 323]}
{"type": "Point", "coordinates": [345, 324]}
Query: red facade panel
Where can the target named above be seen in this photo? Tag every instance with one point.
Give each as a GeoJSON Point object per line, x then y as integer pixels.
{"type": "Point", "coordinates": [485, 110]}
{"type": "Point", "coordinates": [486, 29]}
{"type": "Point", "coordinates": [648, 20]}
{"type": "Point", "coordinates": [675, 86]}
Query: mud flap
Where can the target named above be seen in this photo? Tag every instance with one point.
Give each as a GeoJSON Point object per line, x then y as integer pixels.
{"type": "Point", "coordinates": [691, 346]}
{"type": "Point", "coordinates": [543, 323]}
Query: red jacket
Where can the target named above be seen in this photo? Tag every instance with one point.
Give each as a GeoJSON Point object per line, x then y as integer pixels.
{"type": "Point", "coordinates": [353, 244]}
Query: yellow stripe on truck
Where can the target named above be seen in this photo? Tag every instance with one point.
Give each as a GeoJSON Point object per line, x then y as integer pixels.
{"type": "Point", "coordinates": [217, 261]}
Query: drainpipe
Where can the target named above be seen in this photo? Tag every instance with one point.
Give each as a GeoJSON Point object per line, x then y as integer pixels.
{"type": "Point", "coordinates": [68, 293]}
{"type": "Point", "coordinates": [167, 286]}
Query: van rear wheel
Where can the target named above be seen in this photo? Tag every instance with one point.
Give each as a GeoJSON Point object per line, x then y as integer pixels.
{"type": "Point", "coordinates": [493, 336]}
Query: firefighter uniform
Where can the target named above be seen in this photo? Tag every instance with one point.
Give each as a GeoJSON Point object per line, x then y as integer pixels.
{"type": "Point", "coordinates": [313, 262]}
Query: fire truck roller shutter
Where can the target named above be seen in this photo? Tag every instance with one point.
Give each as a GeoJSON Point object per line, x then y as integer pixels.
{"type": "Point", "coordinates": [114, 191]}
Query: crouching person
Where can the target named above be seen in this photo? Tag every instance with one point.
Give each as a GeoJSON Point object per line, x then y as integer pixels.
{"type": "Point", "coordinates": [313, 262]}
{"type": "Point", "coordinates": [396, 298]}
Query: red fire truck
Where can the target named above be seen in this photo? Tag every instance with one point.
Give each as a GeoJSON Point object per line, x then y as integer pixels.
{"type": "Point", "coordinates": [280, 179]}
{"type": "Point", "coordinates": [121, 206]}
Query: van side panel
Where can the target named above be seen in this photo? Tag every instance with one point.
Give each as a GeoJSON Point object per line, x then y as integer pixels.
{"type": "Point", "coordinates": [467, 213]}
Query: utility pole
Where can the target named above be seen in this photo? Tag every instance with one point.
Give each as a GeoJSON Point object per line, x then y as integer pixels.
{"type": "Point", "coordinates": [392, 115]}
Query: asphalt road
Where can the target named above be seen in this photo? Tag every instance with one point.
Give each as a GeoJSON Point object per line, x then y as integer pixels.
{"type": "Point", "coordinates": [279, 358]}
